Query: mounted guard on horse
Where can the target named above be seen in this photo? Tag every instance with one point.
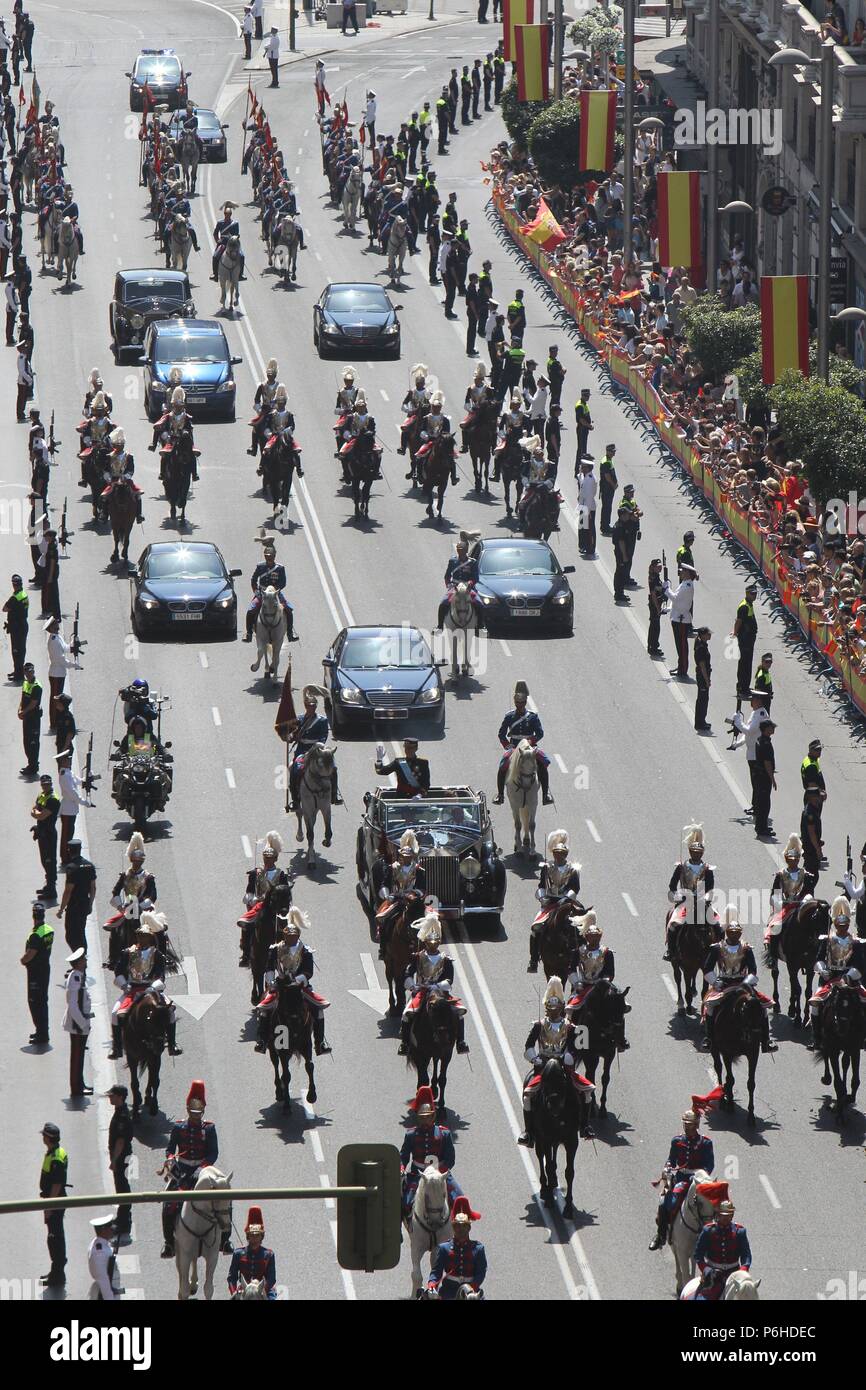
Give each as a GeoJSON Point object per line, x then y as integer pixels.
{"type": "Point", "coordinates": [557, 892]}
{"type": "Point", "coordinates": [141, 969]}
{"type": "Point", "coordinates": [730, 967]}
{"type": "Point", "coordinates": [290, 961]}
{"type": "Point", "coordinates": [522, 723]}
{"type": "Point", "coordinates": [430, 975]}
{"type": "Point", "coordinates": [552, 1037]}
{"type": "Point", "coordinates": [260, 881]}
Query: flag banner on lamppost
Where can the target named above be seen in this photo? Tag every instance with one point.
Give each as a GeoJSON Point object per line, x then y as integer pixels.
{"type": "Point", "coordinates": [679, 218]}
{"type": "Point", "coordinates": [784, 325]}
{"type": "Point", "coordinates": [532, 46]}
{"type": "Point", "coordinates": [544, 229]}
{"type": "Point", "coordinates": [597, 128]}
{"type": "Point", "coordinates": [514, 12]}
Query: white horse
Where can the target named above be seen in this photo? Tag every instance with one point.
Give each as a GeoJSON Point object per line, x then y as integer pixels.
{"type": "Point", "coordinates": [315, 797]}
{"type": "Point", "coordinates": [67, 256]}
{"type": "Point", "coordinates": [198, 1234]}
{"type": "Point", "coordinates": [229, 272]}
{"type": "Point", "coordinates": [270, 632]}
{"type": "Point", "coordinates": [695, 1211]}
{"type": "Point", "coordinates": [284, 248]}
{"type": "Point", "coordinates": [188, 157]}
{"type": "Point", "coordinates": [461, 617]}
{"type": "Point", "coordinates": [352, 198]}
{"type": "Point", "coordinates": [249, 1289]}
{"type": "Point", "coordinates": [740, 1287]}
{"type": "Point", "coordinates": [179, 243]}
{"type": "Point", "coordinates": [49, 234]}
{"type": "Point", "coordinates": [397, 243]}
{"type": "Point", "coordinates": [521, 787]}
{"type": "Point", "coordinates": [430, 1224]}
{"type": "Point", "coordinates": [29, 172]}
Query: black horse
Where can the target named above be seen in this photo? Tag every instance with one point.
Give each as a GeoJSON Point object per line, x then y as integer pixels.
{"type": "Point", "coordinates": [290, 1034]}
{"type": "Point", "coordinates": [145, 1037]}
{"type": "Point", "coordinates": [178, 461]}
{"type": "Point", "coordinates": [693, 942]}
{"type": "Point", "coordinates": [362, 464]}
{"type": "Point", "coordinates": [509, 463]}
{"type": "Point", "coordinates": [843, 1035]}
{"type": "Point", "coordinates": [603, 1015]}
{"type": "Point", "coordinates": [737, 1032]}
{"type": "Point", "coordinates": [558, 1116]}
{"type": "Point", "coordinates": [278, 899]}
{"type": "Point", "coordinates": [796, 945]}
{"type": "Point", "coordinates": [481, 440]}
{"type": "Point", "coordinates": [432, 1039]}
{"type": "Point", "coordinates": [280, 458]}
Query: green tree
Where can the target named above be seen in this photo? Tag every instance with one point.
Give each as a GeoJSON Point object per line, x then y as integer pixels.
{"type": "Point", "coordinates": [597, 31]}
{"type": "Point", "coordinates": [519, 115]}
{"type": "Point", "coordinates": [720, 338]}
{"type": "Point", "coordinates": [554, 142]}
{"type": "Point", "coordinates": [750, 378]}
{"type": "Point", "coordinates": [825, 426]}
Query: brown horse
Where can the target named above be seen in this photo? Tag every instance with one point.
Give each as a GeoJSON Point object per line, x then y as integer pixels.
{"type": "Point", "coordinates": [145, 1037]}
{"type": "Point", "coordinates": [797, 946]}
{"type": "Point", "coordinates": [122, 508]}
{"type": "Point", "coordinates": [432, 1039]}
{"type": "Point", "coordinates": [400, 946]}
{"type": "Point", "coordinates": [438, 464]}
{"type": "Point", "coordinates": [290, 1034]}
{"type": "Point", "coordinates": [278, 899]}
{"type": "Point", "coordinates": [737, 1032]}
{"type": "Point", "coordinates": [559, 938]}
{"type": "Point", "coordinates": [693, 943]}
{"type": "Point", "coordinates": [481, 439]}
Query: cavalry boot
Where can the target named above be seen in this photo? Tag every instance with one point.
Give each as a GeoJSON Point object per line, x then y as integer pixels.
{"type": "Point", "coordinates": [500, 786]}
{"type": "Point", "coordinates": [670, 944]}
{"type": "Point", "coordinates": [527, 1138]}
{"type": "Point", "coordinates": [250, 627]}
{"type": "Point", "coordinates": [534, 953]}
{"type": "Point", "coordinates": [140, 516]}
{"type": "Point", "coordinates": [405, 1030]}
{"type": "Point", "coordinates": [173, 1049]}
{"type": "Point", "coordinates": [544, 780]}
{"type": "Point", "coordinates": [254, 445]}
{"type": "Point", "coordinates": [766, 1044]}
{"type": "Point", "coordinates": [464, 447]}
{"type": "Point", "coordinates": [319, 1036]}
{"type": "Point", "coordinates": [246, 930]}
{"type": "Point", "coordinates": [336, 799]}
{"type": "Point", "coordinates": [116, 1042]}
{"type": "Point", "coordinates": [707, 1044]}
{"type": "Point", "coordinates": [261, 1033]}
{"type": "Point", "coordinates": [815, 1044]}
{"type": "Point", "coordinates": [659, 1240]}
{"type": "Point", "coordinates": [462, 1044]}
{"type": "Point", "coordinates": [384, 938]}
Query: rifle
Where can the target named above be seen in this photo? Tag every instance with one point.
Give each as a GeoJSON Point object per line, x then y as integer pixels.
{"type": "Point", "coordinates": [849, 862]}
{"type": "Point", "coordinates": [54, 444]}
{"type": "Point", "coordinates": [78, 643]}
{"type": "Point", "coordinates": [64, 534]}
{"type": "Point", "coordinates": [663, 607]}
{"type": "Point", "coordinates": [90, 777]}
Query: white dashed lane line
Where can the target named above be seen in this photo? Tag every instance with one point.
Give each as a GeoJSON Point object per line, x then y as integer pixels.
{"type": "Point", "coordinates": [669, 986]}
{"type": "Point", "coordinates": [246, 846]}
{"type": "Point", "coordinates": [202, 656]}
{"type": "Point", "coordinates": [593, 832]}
{"type": "Point", "coordinates": [765, 1183]}
{"type": "Point", "coordinates": [217, 718]}
{"type": "Point", "coordinates": [561, 763]}
{"type": "Point", "coordinates": [230, 778]}
{"type": "Point", "coordinates": [383, 393]}
{"type": "Point", "coordinates": [626, 897]}
{"type": "Point", "coordinates": [325, 1181]}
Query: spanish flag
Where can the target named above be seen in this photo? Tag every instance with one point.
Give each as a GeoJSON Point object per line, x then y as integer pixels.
{"type": "Point", "coordinates": [679, 219]}
{"type": "Point", "coordinates": [514, 12]}
{"type": "Point", "coordinates": [597, 126]}
{"type": "Point", "coordinates": [544, 229]}
{"type": "Point", "coordinates": [532, 43]}
{"type": "Point", "coordinates": [784, 325]}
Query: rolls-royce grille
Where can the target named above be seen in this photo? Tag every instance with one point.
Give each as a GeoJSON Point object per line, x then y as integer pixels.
{"type": "Point", "coordinates": [443, 878]}
{"type": "Point", "coordinates": [390, 699]}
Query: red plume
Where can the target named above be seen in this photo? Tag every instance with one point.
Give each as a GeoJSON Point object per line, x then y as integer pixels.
{"type": "Point", "coordinates": [702, 1103]}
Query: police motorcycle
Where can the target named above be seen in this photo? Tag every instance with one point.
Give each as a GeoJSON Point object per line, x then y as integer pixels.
{"type": "Point", "coordinates": [142, 780]}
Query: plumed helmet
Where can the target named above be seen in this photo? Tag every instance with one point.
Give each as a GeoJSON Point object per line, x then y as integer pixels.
{"type": "Point", "coordinates": [693, 837]}
{"type": "Point", "coordinates": [521, 688]}
{"type": "Point", "coordinates": [135, 848]}
{"type": "Point", "coordinates": [178, 396]}
{"type": "Point", "coordinates": [480, 371]}
{"type": "Point", "coordinates": [348, 373]}
{"type": "Point", "coordinates": [437, 398]}
{"type": "Point", "coordinates": [281, 394]}
{"type": "Point", "coordinates": [470, 537]}
{"type": "Point", "coordinates": [196, 1098]}
{"type": "Point", "coordinates": [516, 403]}
{"type": "Point", "coordinates": [144, 929]}
{"type": "Point", "coordinates": [423, 1102]}
{"type": "Point", "coordinates": [794, 847]}
{"type": "Point", "coordinates": [557, 840]}
{"type": "Point", "coordinates": [255, 1222]}
{"type": "Point", "coordinates": [409, 843]}
{"type": "Point", "coordinates": [430, 931]}
{"type": "Point", "coordinates": [732, 919]}
{"type": "Point", "coordinates": [99, 402]}
{"type": "Point", "coordinates": [273, 844]}
{"type": "Point", "coordinates": [117, 439]}
{"type": "Point", "coordinates": [296, 920]}
{"type": "Point", "coordinates": [462, 1213]}
{"type": "Point", "coordinates": [175, 376]}
{"type": "Point", "coordinates": [179, 219]}
{"type": "Point", "coordinates": [691, 1117]}
{"type": "Point", "coordinates": [155, 922]}
{"type": "Point", "coordinates": [419, 370]}
{"type": "Point", "coordinates": [271, 368]}
{"type": "Point", "coordinates": [841, 910]}
{"type": "Point", "coordinates": [95, 377]}
{"type": "Point", "coordinates": [360, 400]}
{"type": "Point", "coordinates": [588, 922]}
{"type": "Point", "coordinates": [554, 995]}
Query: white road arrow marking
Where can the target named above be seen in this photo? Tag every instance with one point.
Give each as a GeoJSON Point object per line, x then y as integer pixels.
{"type": "Point", "coordinates": [410, 72]}
{"type": "Point", "coordinates": [194, 1003]}
{"type": "Point", "coordinates": [374, 995]}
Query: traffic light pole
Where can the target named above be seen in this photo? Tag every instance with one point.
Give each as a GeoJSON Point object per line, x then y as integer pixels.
{"type": "Point", "coordinates": [243, 1194]}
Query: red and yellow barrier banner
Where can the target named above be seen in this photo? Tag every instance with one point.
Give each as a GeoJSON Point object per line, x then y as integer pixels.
{"type": "Point", "coordinates": [679, 218]}
{"type": "Point", "coordinates": [514, 12]}
{"type": "Point", "coordinates": [597, 127]}
{"type": "Point", "coordinates": [532, 55]}
{"type": "Point", "coordinates": [784, 325]}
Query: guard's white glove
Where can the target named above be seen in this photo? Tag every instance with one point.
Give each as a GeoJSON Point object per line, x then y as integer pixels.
{"type": "Point", "coordinates": [750, 980]}
{"type": "Point", "coordinates": [854, 975]}
{"type": "Point", "coordinates": [850, 887]}
{"type": "Point", "coordinates": [530, 1054]}
{"type": "Point", "coordinates": [776, 901]}
{"type": "Point", "coordinates": [249, 899]}
{"type": "Point", "coordinates": [269, 978]}
{"type": "Point", "coordinates": [380, 752]}
{"type": "Point", "coordinates": [541, 895]}
{"type": "Point", "coordinates": [823, 969]}
{"type": "Point", "coordinates": [300, 979]}
{"type": "Point", "coordinates": [675, 896]}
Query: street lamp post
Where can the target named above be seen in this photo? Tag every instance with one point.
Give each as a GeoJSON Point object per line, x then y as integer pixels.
{"type": "Point", "coordinates": [628, 125]}
{"type": "Point", "coordinates": [557, 48]}
{"type": "Point", "coordinates": [712, 149]}
{"type": "Point", "coordinates": [795, 57]}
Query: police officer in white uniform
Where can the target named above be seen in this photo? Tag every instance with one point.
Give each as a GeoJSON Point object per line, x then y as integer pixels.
{"type": "Point", "coordinates": [101, 1260]}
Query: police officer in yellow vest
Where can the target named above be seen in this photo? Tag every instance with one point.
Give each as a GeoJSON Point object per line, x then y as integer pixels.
{"type": "Point", "coordinates": [52, 1183]}
{"type": "Point", "coordinates": [810, 769]}
{"type": "Point", "coordinates": [37, 962]}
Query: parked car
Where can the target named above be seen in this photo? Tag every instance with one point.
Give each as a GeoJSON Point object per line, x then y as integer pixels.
{"type": "Point", "coordinates": [463, 864]}
{"type": "Point", "coordinates": [199, 348]}
{"type": "Point", "coordinates": [140, 298]}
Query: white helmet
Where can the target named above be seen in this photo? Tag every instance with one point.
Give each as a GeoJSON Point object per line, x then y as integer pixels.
{"type": "Point", "coordinates": [99, 402]}
{"type": "Point", "coordinates": [430, 931]}
{"type": "Point", "coordinates": [409, 843]}
{"type": "Point", "coordinates": [135, 846]}
{"type": "Point", "coordinates": [437, 398]}
{"type": "Point", "coordinates": [273, 843]}
{"type": "Point", "coordinates": [732, 917]}
{"type": "Point", "coordinates": [155, 922]}
{"type": "Point", "coordinates": [840, 911]}
{"type": "Point", "coordinates": [271, 368]}
{"type": "Point", "coordinates": [557, 839]}
{"type": "Point", "coordinates": [693, 837]}
{"type": "Point", "coordinates": [178, 396]}
{"type": "Point", "coordinates": [95, 378]}
{"type": "Point", "coordinates": [588, 923]}
{"type": "Point", "coordinates": [175, 376]}
{"type": "Point", "coordinates": [297, 919]}
{"type": "Point", "coordinates": [794, 847]}
{"type": "Point", "coordinates": [348, 373]}
{"type": "Point", "coordinates": [360, 399]}
{"type": "Point", "coordinates": [554, 994]}
{"type": "Point", "coordinates": [117, 439]}
{"type": "Point", "coordinates": [281, 395]}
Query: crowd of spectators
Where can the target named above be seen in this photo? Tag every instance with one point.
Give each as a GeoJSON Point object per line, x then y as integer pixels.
{"type": "Point", "coordinates": [637, 309]}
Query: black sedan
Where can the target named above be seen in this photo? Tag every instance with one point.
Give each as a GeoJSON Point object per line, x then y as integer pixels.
{"type": "Point", "coordinates": [211, 132]}
{"type": "Point", "coordinates": [521, 582]}
{"type": "Point", "coordinates": [161, 71]}
{"type": "Point", "coordinates": [180, 586]}
{"type": "Point", "coordinates": [381, 673]}
{"type": "Point", "coordinates": [140, 297]}
{"type": "Point", "coordinates": [349, 316]}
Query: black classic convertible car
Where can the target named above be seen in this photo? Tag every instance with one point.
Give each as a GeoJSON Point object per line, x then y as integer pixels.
{"type": "Point", "coordinates": [463, 864]}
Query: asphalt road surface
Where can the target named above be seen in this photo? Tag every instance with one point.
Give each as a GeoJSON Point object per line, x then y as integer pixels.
{"type": "Point", "coordinates": [628, 772]}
